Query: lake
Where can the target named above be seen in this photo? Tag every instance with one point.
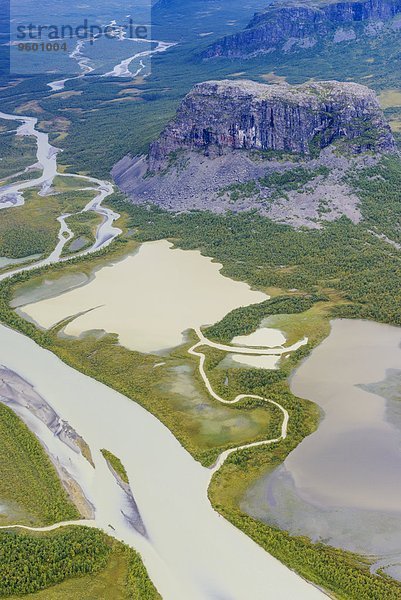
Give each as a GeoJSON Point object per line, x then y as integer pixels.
{"type": "Point", "coordinates": [342, 484]}
{"type": "Point", "coordinates": [149, 298]}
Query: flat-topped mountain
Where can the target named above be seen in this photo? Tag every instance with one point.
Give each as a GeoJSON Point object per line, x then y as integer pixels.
{"type": "Point", "coordinates": [229, 137]}
{"type": "Point", "coordinates": [219, 115]}
{"type": "Point", "coordinates": [287, 26]}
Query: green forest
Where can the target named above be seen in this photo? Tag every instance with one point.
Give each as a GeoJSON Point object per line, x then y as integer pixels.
{"type": "Point", "coordinates": [32, 562]}
{"type": "Point", "coordinates": [73, 563]}
{"type": "Point", "coordinates": [29, 482]}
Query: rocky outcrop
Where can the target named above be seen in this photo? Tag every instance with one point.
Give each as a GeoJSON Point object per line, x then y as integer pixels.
{"type": "Point", "coordinates": [286, 27]}
{"type": "Point", "coordinates": [283, 150]}
{"type": "Point", "coordinates": [217, 116]}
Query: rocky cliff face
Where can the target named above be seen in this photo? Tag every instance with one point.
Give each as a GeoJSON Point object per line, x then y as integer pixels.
{"type": "Point", "coordinates": [227, 115]}
{"type": "Point", "coordinates": [287, 27]}
{"type": "Point", "coordinates": [283, 150]}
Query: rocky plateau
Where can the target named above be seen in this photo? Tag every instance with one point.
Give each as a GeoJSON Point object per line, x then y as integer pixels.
{"type": "Point", "coordinates": [282, 150]}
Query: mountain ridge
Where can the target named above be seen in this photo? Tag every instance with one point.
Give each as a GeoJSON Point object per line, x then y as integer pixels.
{"type": "Point", "coordinates": [287, 26]}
